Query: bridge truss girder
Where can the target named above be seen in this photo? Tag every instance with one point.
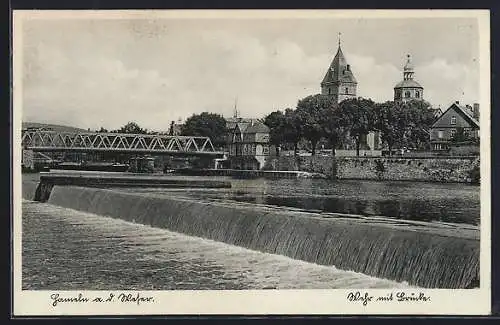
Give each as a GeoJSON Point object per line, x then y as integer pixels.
{"type": "Point", "coordinates": [38, 140]}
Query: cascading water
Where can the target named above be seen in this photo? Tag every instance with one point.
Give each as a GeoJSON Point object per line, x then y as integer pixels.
{"type": "Point", "coordinates": [400, 253]}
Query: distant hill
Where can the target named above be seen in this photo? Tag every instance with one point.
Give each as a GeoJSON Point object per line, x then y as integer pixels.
{"type": "Point", "coordinates": [54, 127]}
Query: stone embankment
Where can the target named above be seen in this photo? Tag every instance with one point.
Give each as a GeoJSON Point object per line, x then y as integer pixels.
{"type": "Point", "coordinates": [453, 170]}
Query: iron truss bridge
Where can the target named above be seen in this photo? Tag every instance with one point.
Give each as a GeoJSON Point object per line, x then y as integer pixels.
{"type": "Point", "coordinates": [47, 141]}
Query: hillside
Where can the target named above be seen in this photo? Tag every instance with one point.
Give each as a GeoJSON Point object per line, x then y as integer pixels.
{"type": "Point", "coordinates": [54, 127]}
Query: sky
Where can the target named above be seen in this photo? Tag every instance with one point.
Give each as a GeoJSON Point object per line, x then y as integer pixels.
{"type": "Point", "coordinates": [90, 73]}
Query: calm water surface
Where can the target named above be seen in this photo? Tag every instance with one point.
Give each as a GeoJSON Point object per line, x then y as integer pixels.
{"type": "Point", "coordinates": [458, 203]}
{"type": "Point", "coordinates": [65, 249]}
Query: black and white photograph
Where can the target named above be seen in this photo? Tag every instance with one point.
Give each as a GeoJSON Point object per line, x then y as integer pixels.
{"type": "Point", "coordinates": [251, 162]}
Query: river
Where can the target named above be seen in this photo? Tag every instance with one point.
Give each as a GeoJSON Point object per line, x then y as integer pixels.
{"type": "Point", "coordinates": [456, 203]}
{"type": "Point", "coordinates": [68, 250]}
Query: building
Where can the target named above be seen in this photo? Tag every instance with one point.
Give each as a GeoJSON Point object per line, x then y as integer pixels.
{"type": "Point", "coordinates": [408, 88]}
{"type": "Point", "coordinates": [249, 147]}
{"type": "Point", "coordinates": [339, 81]}
{"type": "Point", "coordinates": [453, 120]}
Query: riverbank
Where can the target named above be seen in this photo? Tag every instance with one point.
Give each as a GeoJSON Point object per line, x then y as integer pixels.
{"type": "Point", "coordinates": [442, 170]}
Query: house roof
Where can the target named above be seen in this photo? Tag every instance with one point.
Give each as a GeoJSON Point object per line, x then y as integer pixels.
{"type": "Point", "coordinates": [231, 122]}
{"type": "Point", "coordinates": [257, 127]}
{"type": "Point", "coordinates": [252, 127]}
{"type": "Point", "coordinates": [462, 111]}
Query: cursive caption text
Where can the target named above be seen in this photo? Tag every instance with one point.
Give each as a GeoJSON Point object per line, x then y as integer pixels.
{"type": "Point", "coordinates": [365, 298]}
{"type": "Point", "coordinates": [81, 298]}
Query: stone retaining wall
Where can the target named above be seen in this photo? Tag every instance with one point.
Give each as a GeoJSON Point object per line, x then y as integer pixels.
{"type": "Point", "coordinates": [456, 170]}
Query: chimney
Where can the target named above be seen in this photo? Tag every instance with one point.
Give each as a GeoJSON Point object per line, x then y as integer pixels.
{"type": "Point", "coordinates": [457, 102]}
{"type": "Point", "coordinates": [469, 110]}
{"type": "Point", "coordinates": [475, 111]}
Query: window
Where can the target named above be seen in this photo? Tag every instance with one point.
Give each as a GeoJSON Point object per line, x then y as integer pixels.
{"type": "Point", "coordinates": [452, 133]}
{"type": "Point", "coordinates": [265, 150]}
{"type": "Point", "coordinates": [346, 90]}
{"type": "Point", "coordinates": [453, 120]}
{"type": "Point", "coordinates": [329, 91]}
{"type": "Point", "coordinates": [407, 94]}
{"type": "Point", "coordinates": [440, 134]}
{"type": "Point", "coordinates": [417, 94]}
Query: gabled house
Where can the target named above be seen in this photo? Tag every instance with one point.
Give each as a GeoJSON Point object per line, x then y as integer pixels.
{"type": "Point", "coordinates": [453, 120]}
{"type": "Point", "coordinates": [249, 146]}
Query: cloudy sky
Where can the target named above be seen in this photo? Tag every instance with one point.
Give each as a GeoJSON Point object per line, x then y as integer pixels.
{"type": "Point", "coordinates": [105, 72]}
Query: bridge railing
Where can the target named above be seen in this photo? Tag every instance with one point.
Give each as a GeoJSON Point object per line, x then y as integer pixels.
{"type": "Point", "coordinates": [93, 141]}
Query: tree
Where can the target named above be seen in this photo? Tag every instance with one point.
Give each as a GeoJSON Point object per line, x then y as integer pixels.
{"type": "Point", "coordinates": [404, 124]}
{"type": "Point", "coordinates": [292, 129]}
{"type": "Point", "coordinates": [206, 125]}
{"type": "Point", "coordinates": [131, 128]}
{"type": "Point", "coordinates": [334, 126]}
{"type": "Point", "coordinates": [420, 116]}
{"type": "Point", "coordinates": [310, 114]}
{"type": "Point", "coordinates": [276, 123]}
{"type": "Point", "coordinates": [102, 130]}
{"type": "Point", "coordinates": [358, 118]}
{"type": "Point", "coordinates": [390, 120]}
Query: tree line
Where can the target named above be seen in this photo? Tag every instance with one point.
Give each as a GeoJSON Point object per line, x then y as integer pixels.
{"type": "Point", "coordinates": [204, 124]}
{"type": "Point", "coordinates": [319, 118]}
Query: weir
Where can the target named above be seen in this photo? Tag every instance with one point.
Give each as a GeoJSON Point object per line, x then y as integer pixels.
{"type": "Point", "coordinates": [111, 179]}
{"type": "Point", "coordinates": [421, 254]}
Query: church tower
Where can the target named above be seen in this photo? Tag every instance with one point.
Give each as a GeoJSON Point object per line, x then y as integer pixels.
{"type": "Point", "coordinates": [339, 81]}
{"type": "Point", "coordinates": [408, 89]}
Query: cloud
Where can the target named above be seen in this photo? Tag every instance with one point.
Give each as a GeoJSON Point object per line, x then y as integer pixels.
{"type": "Point", "coordinates": [445, 82]}
{"type": "Point", "coordinates": [89, 83]}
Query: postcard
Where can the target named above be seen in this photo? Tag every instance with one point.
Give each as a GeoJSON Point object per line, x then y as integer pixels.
{"type": "Point", "coordinates": [252, 162]}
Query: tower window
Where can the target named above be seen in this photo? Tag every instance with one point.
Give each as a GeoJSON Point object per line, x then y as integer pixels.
{"type": "Point", "coordinates": [417, 94]}
{"type": "Point", "coordinates": [346, 90]}
{"type": "Point", "coordinates": [407, 94]}
{"type": "Point", "coordinates": [453, 120]}
{"type": "Point", "coordinates": [329, 91]}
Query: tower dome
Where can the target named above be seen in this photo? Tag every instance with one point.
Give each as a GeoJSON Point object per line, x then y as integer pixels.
{"type": "Point", "coordinates": [408, 88]}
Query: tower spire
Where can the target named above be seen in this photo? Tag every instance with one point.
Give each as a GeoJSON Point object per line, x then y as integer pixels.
{"type": "Point", "coordinates": [339, 37]}
{"type": "Point", "coordinates": [235, 110]}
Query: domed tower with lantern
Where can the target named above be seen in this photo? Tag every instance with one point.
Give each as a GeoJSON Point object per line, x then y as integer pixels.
{"type": "Point", "coordinates": [408, 89]}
